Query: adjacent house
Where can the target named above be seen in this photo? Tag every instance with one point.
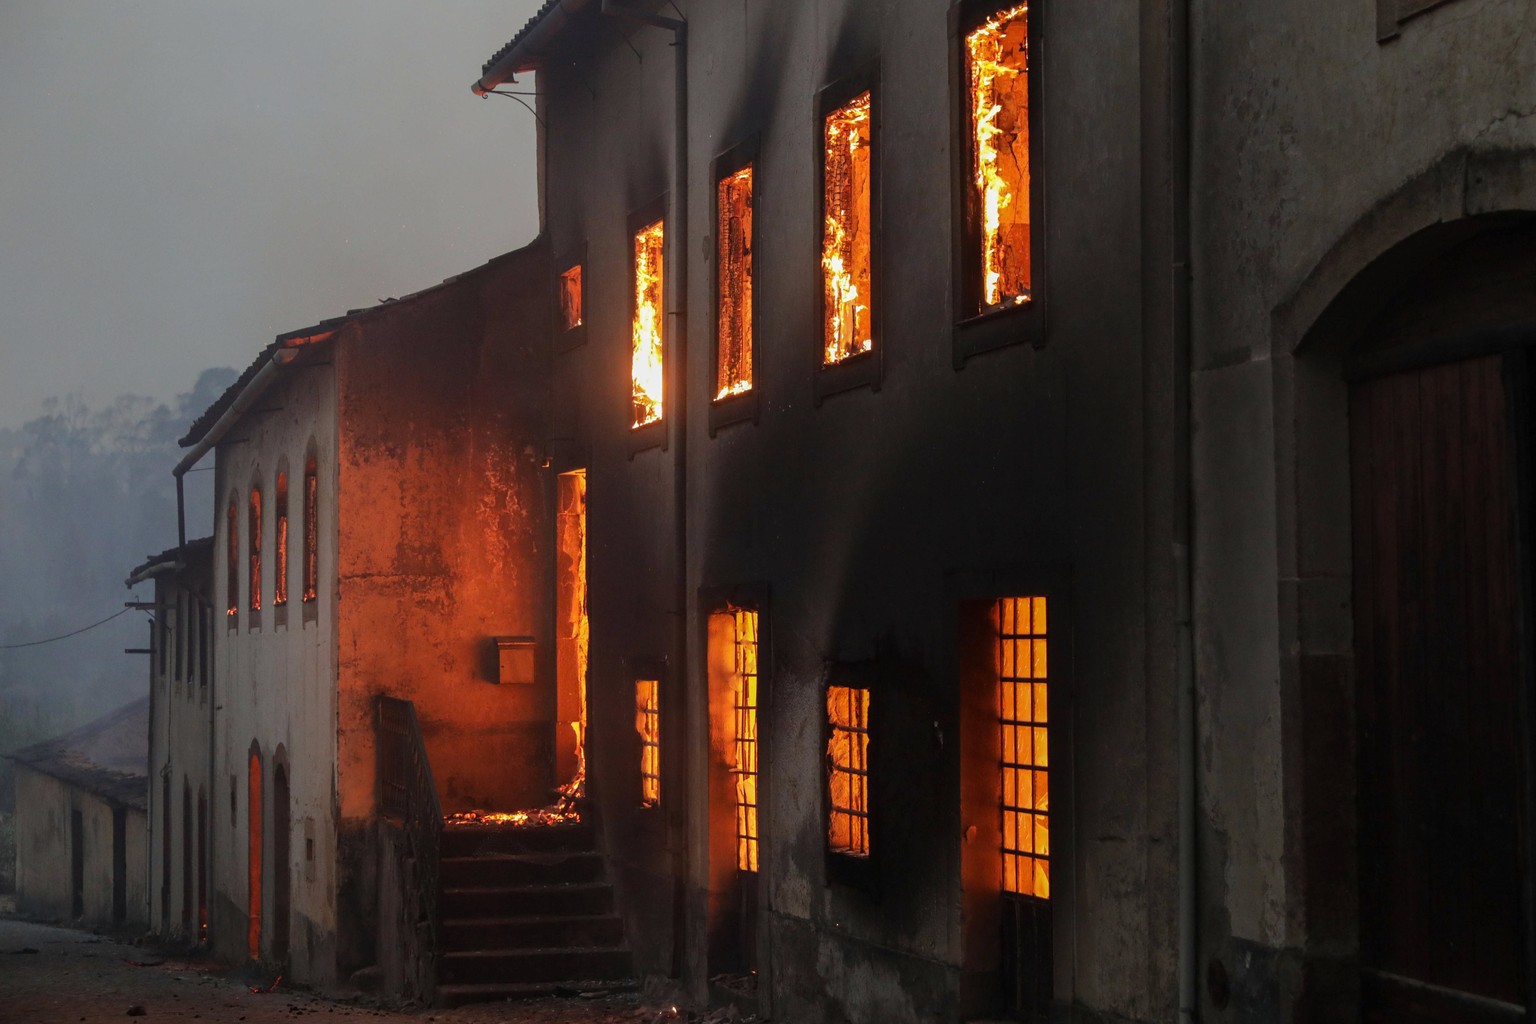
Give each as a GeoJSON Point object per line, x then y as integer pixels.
{"type": "Point", "coordinates": [81, 823]}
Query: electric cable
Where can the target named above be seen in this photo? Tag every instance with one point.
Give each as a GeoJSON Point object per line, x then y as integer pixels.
{"type": "Point", "coordinates": [65, 636]}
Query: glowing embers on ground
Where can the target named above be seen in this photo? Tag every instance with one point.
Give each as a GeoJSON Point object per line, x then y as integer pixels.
{"type": "Point", "coordinates": [848, 770]}
{"type": "Point", "coordinates": [645, 352]}
{"type": "Point", "coordinates": [570, 298]}
{"type": "Point", "coordinates": [733, 370]}
{"type": "Point", "coordinates": [847, 233]}
{"type": "Point", "coordinates": [997, 63]}
{"type": "Point", "coordinates": [1023, 718]}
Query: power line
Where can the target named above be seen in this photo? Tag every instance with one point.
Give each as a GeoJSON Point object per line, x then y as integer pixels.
{"type": "Point", "coordinates": [65, 636]}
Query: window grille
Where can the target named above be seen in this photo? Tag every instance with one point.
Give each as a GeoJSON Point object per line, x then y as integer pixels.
{"type": "Point", "coordinates": [848, 770]}
{"type": "Point", "coordinates": [648, 725]}
{"type": "Point", "coordinates": [1023, 718]}
{"type": "Point", "coordinates": [745, 762]}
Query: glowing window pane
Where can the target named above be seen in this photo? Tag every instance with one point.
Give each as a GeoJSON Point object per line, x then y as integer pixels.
{"type": "Point", "coordinates": [847, 235]}
{"type": "Point", "coordinates": [253, 545]}
{"type": "Point", "coordinates": [570, 298]}
{"type": "Point", "coordinates": [744, 741]}
{"type": "Point", "coordinates": [645, 350]}
{"type": "Point", "coordinates": [997, 63]}
{"type": "Point", "coordinates": [733, 372]}
{"type": "Point", "coordinates": [280, 525]}
{"type": "Point", "coordinates": [648, 725]}
{"type": "Point", "coordinates": [311, 529]}
{"type": "Point", "coordinates": [848, 770]}
{"type": "Point", "coordinates": [1023, 728]}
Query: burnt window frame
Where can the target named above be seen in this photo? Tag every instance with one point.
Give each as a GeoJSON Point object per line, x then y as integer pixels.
{"type": "Point", "coordinates": [977, 332]}
{"type": "Point", "coordinates": [282, 547]}
{"type": "Point", "coordinates": [668, 741]}
{"type": "Point", "coordinates": [846, 869]}
{"type": "Point", "coordinates": [568, 338]}
{"type": "Point", "coordinates": [309, 518]}
{"type": "Point", "coordinates": [255, 528]}
{"type": "Point", "coordinates": [865, 369]}
{"type": "Point", "coordinates": [653, 434]}
{"type": "Point", "coordinates": [744, 407]}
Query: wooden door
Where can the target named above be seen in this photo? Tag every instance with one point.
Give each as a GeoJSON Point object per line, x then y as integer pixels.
{"type": "Point", "coordinates": [1440, 707]}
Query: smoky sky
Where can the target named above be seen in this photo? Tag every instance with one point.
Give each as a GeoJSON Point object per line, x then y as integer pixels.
{"type": "Point", "coordinates": [181, 180]}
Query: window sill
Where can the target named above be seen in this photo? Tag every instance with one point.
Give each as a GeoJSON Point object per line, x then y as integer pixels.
{"type": "Point", "coordinates": [652, 435]}
{"type": "Point", "coordinates": [732, 409]}
{"type": "Point", "coordinates": [1000, 328]}
{"type": "Point", "coordinates": [571, 338]}
{"type": "Point", "coordinates": [855, 372]}
{"type": "Point", "coordinates": [858, 873]}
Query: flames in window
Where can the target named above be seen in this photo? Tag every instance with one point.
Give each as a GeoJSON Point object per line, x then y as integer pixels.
{"type": "Point", "coordinates": [733, 374]}
{"type": "Point", "coordinates": [570, 298]}
{"type": "Point", "coordinates": [254, 545]}
{"type": "Point", "coordinates": [311, 529]}
{"type": "Point", "coordinates": [744, 737]}
{"type": "Point", "coordinates": [280, 525]}
{"type": "Point", "coordinates": [648, 725]}
{"type": "Point", "coordinates": [232, 560]}
{"type": "Point", "coordinates": [848, 770]}
{"type": "Point", "coordinates": [846, 234]}
{"type": "Point", "coordinates": [997, 61]}
{"type": "Point", "coordinates": [1023, 719]}
{"type": "Point", "coordinates": [645, 351]}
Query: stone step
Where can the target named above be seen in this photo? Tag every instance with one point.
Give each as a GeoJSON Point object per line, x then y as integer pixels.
{"type": "Point", "coordinates": [482, 966]}
{"type": "Point", "coordinates": [527, 932]}
{"type": "Point", "coordinates": [565, 899]}
{"type": "Point", "coordinates": [521, 868]}
{"type": "Point", "coordinates": [461, 995]}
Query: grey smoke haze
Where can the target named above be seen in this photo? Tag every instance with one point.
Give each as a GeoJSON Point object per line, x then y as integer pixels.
{"type": "Point", "coordinates": [180, 180]}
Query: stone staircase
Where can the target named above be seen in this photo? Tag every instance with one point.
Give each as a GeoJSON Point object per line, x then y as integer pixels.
{"type": "Point", "coordinates": [526, 911]}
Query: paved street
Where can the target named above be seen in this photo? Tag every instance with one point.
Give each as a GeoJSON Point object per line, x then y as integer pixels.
{"type": "Point", "coordinates": [57, 976]}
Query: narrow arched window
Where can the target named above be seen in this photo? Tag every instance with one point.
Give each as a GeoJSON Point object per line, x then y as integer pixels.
{"type": "Point", "coordinates": [253, 546]}
{"type": "Point", "coordinates": [280, 539]}
{"type": "Point", "coordinates": [311, 527]}
{"type": "Point", "coordinates": [232, 559]}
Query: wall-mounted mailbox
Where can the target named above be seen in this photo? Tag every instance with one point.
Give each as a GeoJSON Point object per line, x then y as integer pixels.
{"type": "Point", "coordinates": [514, 659]}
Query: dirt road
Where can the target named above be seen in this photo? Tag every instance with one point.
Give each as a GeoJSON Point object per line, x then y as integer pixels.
{"type": "Point", "coordinates": [57, 976]}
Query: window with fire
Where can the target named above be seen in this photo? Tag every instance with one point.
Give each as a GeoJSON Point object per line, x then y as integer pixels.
{"type": "Point", "coordinates": [733, 336]}
{"type": "Point", "coordinates": [232, 560]}
{"type": "Point", "coordinates": [848, 770]}
{"type": "Point", "coordinates": [999, 272]}
{"type": "Point", "coordinates": [645, 340]}
{"type": "Point", "coordinates": [1023, 680]}
{"type": "Point", "coordinates": [847, 238]}
{"type": "Point", "coordinates": [648, 726]}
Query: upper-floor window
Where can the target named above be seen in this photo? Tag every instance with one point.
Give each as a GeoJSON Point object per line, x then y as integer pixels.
{"type": "Point", "coordinates": [999, 213]}
{"type": "Point", "coordinates": [847, 237]}
{"type": "Point", "coordinates": [280, 539]}
{"type": "Point", "coordinates": [232, 559]}
{"type": "Point", "coordinates": [253, 547]}
{"type": "Point", "coordinates": [311, 527]}
{"type": "Point", "coordinates": [645, 341]}
{"type": "Point", "coordinates": [733, 231]}
{"type": "Point", "coordinates": [570, 298]}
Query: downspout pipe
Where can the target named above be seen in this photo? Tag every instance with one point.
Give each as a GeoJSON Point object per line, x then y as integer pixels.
{"type": "Point", "coordinates": [677, 405]}
{"type": "Point", "coordinates": [247, 397]}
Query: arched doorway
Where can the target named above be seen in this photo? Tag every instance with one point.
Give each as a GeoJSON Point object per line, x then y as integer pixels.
{"type": "Point", "coordinates": [1440, 394]}
{"type": "Point", "coordinates": [281, 872]}
{"type": "Point", "coordinates": [253, 854]}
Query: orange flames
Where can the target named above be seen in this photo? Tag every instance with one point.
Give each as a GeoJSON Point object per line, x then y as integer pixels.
{"type": "Point", "coordinates": [570, 298]}
{"type": "Point", "coordinates": [848, 770]}
{"type": "Point", "coordinates": [846, 235]}
{"type": "Point", "coordinates": [645, 353]}
{"type": "Point", "coordinates": [648, 725]}
{"type": "Point", "coordinates": [733, 373]}
{"type": "Point", "coordinates": [744, 762]}
{"type": "Point", "coordinates": [998, 61]}
{"type": "Point", "coordinates": [1023, 720]}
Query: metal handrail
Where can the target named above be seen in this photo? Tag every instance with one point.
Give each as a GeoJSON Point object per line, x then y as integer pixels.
{"type": "Point", "coordinates": [408, 794]}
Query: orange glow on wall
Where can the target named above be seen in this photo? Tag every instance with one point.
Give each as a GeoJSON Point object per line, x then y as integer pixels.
{"type": "Point", "coordinates": [733, 371]}
{"type": "Point", "coordinates": [847, 232]}
{"type": "Point", "coordinates": [570, 298]}
{"type": "Point", "coordinates": [253, 857]}
{"type": "Point", "coordinates": [997, 63]}
{"type": "Point", "coordinates": [280, 529]}
{"type": "Point", "coordinates": [848, 770]}
{"type": "Point", "coordinates": [1023, 717]}
{"type": "Point", "coordinates": [645, 345]}
{"type": "Point", "coordinates": [648, 725]}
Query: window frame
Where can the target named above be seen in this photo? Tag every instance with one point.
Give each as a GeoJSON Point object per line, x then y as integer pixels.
{"type": "Point", "coordinates": [845, 869]}
{"type": "Point", "coordinates": [977, 332]}
{"type": "Point", "coordinates": [282, 541]}
{"type": "Point", "coordinates": [255, 528]}
{"type": "Point", "coordinates": [743, 407]}
{"type": "Point", "coordinates": [232, 560]}
{"type": "Point", "coordinates": [568, 338]}
{"type": "Point", "coordinates": [653, 434]}
{"type": "Point", "coordinates": [667, 741]}
{"type": "Point", "coordinates": [309, 593]}
{"type": "Point", "coordinates": [865, 369]}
